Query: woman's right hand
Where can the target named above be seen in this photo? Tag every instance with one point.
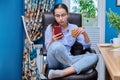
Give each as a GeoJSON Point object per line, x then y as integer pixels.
{"type": "Point", "coordinates": [57, 36]}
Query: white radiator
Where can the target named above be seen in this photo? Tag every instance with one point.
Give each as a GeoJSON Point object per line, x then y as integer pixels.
{"type": "Point", "coordinates": [40, 61]}
{"type": "Point", "coordinates": [94, 35]}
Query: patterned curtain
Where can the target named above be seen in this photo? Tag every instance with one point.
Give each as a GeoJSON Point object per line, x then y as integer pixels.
{"type": "Point", "coordinates": [33, 25]}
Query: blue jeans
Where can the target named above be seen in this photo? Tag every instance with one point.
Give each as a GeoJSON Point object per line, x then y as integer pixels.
{"type": "Point", "coordinates": [58, 57]}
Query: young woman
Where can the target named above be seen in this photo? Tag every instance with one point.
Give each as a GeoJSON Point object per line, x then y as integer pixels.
{"type": "Point", "coordinates": [58, 46]}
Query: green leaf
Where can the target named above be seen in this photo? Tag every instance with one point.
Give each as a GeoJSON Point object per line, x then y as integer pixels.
{"type": "Point", "coordinates": [113, 19]}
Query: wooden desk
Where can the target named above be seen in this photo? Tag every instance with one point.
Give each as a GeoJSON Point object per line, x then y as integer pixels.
{"type": "Point", "coordinates": [112, 61]}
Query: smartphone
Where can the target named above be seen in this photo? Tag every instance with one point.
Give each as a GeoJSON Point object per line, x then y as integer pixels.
{"type": "Point", "coordinates": [57, 29]}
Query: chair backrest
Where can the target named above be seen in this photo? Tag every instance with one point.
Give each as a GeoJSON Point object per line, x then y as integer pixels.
{"type": "Point", "coordinates": [74, 18]}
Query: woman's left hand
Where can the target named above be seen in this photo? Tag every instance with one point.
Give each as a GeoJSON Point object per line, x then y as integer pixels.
{"type": "Point", "coordinates": [79, 31]}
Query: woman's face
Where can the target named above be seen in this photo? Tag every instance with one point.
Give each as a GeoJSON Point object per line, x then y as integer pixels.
{"type": "Point", "coordinates": [61, 16]}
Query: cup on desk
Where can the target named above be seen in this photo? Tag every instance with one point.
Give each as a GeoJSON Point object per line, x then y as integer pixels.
{"type": "Point", "coordinates": [115, 42]}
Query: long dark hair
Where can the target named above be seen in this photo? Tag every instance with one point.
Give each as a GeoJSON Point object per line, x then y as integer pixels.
{"type": "Point", "coordinates": [60, 5]}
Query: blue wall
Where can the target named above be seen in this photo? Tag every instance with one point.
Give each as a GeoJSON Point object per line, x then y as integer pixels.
{"type": "Point", "coordinates": [58, 1]}
{"type": "Point", "coordinates": [11, 39]}
{"type": "Point", "coordinates": [110, 31]}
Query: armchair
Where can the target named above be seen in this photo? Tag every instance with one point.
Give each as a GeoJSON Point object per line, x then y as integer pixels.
{"type": "Point", "coordinates": [75, 19]}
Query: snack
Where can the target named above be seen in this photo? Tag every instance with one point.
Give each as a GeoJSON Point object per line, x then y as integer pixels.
{"type": "Point", "coordinates": [73, 33]}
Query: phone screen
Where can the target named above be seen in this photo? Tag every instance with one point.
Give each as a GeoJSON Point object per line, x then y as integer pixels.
{"type": "Point", "coordinates": [57, 29]}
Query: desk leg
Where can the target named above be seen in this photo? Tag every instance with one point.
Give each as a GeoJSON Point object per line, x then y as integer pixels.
{"type": "Point", "coordinates": [108, 75]}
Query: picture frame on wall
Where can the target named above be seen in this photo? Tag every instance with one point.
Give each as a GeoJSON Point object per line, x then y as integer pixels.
{"type": "Point", "coordinates": [117, 2]}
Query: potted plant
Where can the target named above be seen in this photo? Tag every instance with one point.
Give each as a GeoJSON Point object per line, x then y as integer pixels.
{"type": "Point", "coordinates": [87, 8]}
{"type": "Point", "coordinates": [89, 11]}
{"type": "Point", "coordinates": [114, 20]}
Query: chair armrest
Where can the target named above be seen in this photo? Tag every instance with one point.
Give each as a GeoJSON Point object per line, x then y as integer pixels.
{"type": "Point", "coordinates": [90, 50]}
{"type": "Point", "coordinates": [43, 51]}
